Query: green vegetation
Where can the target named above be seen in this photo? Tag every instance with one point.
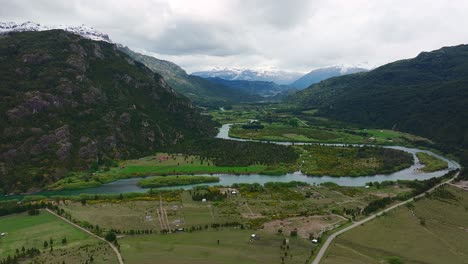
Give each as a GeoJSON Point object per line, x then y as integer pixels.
{"type": "Point", "coordinates": [46, 232]}
{"type": "Point", "coordinates": [63, 99]}
{"type": "Point", "coordinates": [203, 247]}
{"type": "Point", "coordinates": [351, 161]}
{"type": "Point", "coordinates": [431, 163]}
{"type": "Point", "coordinates": [425, 95]}
{"type": "Point", "coordinates": [159, 181]}
{"type": "Point", "coordinates": [159, 164]}
{"type": "Point", "coordinates": [402, 235]}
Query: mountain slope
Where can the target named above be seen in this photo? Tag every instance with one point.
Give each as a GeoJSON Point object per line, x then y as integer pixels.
{"type": "Point", "coordinates": [83, 30]}
{"type": "Point", "coordinates": [426, 95]}
{"type": "Point", "coordinates": [279, 77]}
{"type": "Point", "coordinates": [199, 90]}
{"type": "Point", "coordinates": [70, 103]}
{"type": "Point", "coordinates": [261, 88]}
{"type": "Point", "coordinates": [321, 74]}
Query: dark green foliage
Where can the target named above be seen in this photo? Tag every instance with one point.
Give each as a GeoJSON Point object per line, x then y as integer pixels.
{"type": "Point", "coordinates": [233, 153]}
{"type": "Point", "coordinates": [68, 103]}
{"type": "Point", "coordinates": [111, 237]}
{"type": "Point", "coordinates": [426, 95]}
{"type": "Point", "coordinates": [209, 193]}
{"type": "Point", "coordinates": [12, 207]}
{"type": "Point", "coordinates": [418, 187]}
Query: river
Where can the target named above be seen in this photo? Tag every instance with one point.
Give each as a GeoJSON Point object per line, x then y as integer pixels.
{"type": "Point", "coordinates": [411, 173]}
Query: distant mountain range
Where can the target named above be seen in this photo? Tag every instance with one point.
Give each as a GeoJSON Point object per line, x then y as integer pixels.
{"type": "Point", "coordinates": [200, 90]}
{"type": "Point", "coordinates": [279, 77]}
{"type": "Point", "coordinates": [318, 75]}
{"type": "Point", "coordinates": [259, 88]}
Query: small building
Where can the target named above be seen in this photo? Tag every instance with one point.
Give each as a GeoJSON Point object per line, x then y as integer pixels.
{"type": "Point", "coordinates": [2, 234]}
{"type": "Point", "coordinates": [203, 200]}
{"type": "Point", "coordinates": [315, 241]}
{"type": "Point", "coordinates": [228, 191]}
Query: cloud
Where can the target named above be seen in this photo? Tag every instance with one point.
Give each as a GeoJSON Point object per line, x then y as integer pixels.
{"type": "Point", "coordinates": [295, 35]}
{"type": "Point", "coordinates": [190, 36]}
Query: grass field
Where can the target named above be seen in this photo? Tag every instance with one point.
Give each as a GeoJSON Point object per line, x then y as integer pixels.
{"type": "Point", "coordinates": [435, 230]}
{"type": "Point", "coordinates": [178, 180]}
{"type": "Point", "coordinates": [202, 247]}
{"type": "Point", "coordinates": [431, 163]}
{"type": "Point", "coordinates": [351, 161]}
{"type": "Point", "coordinates": [31, 231]}
{"type": "Point", "coordinates": [158, 164]}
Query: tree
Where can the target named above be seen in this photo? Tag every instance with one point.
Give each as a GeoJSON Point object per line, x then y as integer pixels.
{"type": "Point", "coordinates": [64, 240]}
{"type": "Point", "coordinates": [111, 237]}
{"type": "Point", "coordinates": [294, 122]}
{"type": "Point", "coordinates": [46, 244]}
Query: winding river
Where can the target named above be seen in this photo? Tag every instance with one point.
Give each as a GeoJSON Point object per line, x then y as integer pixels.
{"type": "Point", "coordinates": [411, 173]}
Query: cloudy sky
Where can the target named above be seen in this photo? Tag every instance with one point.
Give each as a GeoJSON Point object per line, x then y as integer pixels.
{"type": "Point", "coordinates": [294, 35]}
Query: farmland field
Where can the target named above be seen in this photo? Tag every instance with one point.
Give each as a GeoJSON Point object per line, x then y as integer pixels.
{"type": "Point", "coordinates": [434, 230]}
{"type": "Point", "coordinates": [202, 247]}
{"type": "Point", "coordinates": [31, 231]}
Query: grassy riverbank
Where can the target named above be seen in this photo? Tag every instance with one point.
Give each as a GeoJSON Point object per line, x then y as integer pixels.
{"type": "Point", "coordinates": [351, 161]}
{"type": "Point", "coordinates": [431, 163]}
{"type": "Point", "coordinates": [159, 164]}
{"type": "Point", "coordinates": [163, 181]}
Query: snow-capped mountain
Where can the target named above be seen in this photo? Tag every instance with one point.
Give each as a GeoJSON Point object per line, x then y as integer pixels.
{"type": "Point", "coordinates": [321, 74]}
{"type": "Point", "coordinates": [83, 30]}
{"type": "Point", "coordinates": [279, 77]}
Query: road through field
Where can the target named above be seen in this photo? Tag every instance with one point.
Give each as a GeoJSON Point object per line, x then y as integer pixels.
{"type": "Point", "coordinates": [329, 240]}
{"type": "Point", "coordinates": [116, 250]}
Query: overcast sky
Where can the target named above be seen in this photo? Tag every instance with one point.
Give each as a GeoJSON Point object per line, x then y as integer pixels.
{"type": "Point", "coordinates": [294, 35]}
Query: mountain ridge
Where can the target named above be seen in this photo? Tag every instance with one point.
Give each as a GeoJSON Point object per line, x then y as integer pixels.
{"type": "Point", "coordinates": [321, 74]}
{"type": "Point", "coordinates": [426, 95]}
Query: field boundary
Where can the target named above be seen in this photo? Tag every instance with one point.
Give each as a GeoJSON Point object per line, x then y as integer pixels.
{"type": "Point", "coordinates": [116, 250]}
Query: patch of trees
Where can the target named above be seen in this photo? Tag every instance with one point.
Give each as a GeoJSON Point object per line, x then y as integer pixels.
{"type": "Point", "coordinates": [13, 207]}
{"type": "Point", "coordinates": [253, 125]}
{"type": "Point", "coordinates": [21, 255]}
{"type": "Point", "coordinates": [418, 187]}
{"type": "Point", "coordinates": [235, 153]}
{"type": "Point", "coordinates": [209, 193]}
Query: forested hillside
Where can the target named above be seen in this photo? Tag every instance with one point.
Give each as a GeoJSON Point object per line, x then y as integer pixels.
{"type": "Point", "coordinates": [71, 103]}
{"type": "Point", "coordinates": [426, 95]}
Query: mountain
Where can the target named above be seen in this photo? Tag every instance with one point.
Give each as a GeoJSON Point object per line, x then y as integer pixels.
{"type": "Point", "coordinates": [201, 91]}
{"type": "Point", "coordinates": [279, 77]}
{"type": "Point", "coordinates": [321, 74]}
{"type": "Point", "coordinates": [70, 103]}
{"type": "Point", "coordinates": [426, 95]}
{"type": "Point", "coordinates": [83, 30]}
{"type": "Point", "coordinates": [261, 88]}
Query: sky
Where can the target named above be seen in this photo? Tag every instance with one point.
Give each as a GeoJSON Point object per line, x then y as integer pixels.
{"type": "Point", "coordinates": [289, 35]}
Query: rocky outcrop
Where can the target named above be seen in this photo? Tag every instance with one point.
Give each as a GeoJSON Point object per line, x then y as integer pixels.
{"type": "Point", "coordinates": [70, 102]}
